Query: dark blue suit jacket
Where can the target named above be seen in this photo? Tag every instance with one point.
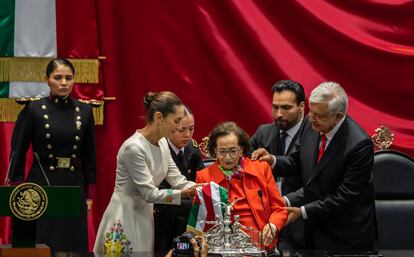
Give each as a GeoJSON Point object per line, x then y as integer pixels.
{"type": "Point", "coordinates": [337, 192]}
{"type": "Point", "coordinates": [267, 136]}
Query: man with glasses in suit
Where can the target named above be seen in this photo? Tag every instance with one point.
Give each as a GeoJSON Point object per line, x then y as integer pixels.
{"type": "Point", "coordinates": [335, 159]}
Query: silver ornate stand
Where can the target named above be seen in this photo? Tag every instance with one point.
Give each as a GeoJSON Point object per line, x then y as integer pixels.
{"type": "Point", "coordinates": [229, 239]}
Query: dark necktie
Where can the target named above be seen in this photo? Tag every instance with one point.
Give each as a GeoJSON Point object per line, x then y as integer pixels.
{"type": "Point", "coordinates": [323, 146]}
{"type": "Point", "coordinates": [180, 162]}
{"type": "Point", "coordinates": [281, 151]}
{"type": "Point", "coordinates": [282, 143]}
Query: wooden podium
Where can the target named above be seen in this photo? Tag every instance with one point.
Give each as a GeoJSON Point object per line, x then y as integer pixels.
{"type": "Point", "coordinates": [62, 202]}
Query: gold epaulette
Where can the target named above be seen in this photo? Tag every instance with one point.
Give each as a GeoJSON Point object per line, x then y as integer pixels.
{"type": "Point", "coordinates": [93, 102]}
{"type": "Point", "coordinates": [194, 142]}
{"type": "Point", "coordinates": [26, 100]}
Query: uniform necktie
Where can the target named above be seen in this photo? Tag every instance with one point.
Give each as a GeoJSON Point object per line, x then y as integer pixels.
{"type": "Point", "coordinates": [282, 143]}
{"type": "Point", "coordinates": [322, 148]}
{"type": "Point", "coordinates": [180, 161]}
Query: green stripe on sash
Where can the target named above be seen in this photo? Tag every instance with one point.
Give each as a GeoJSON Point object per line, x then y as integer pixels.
{"type": "Point", "coordinates": [7, 28]}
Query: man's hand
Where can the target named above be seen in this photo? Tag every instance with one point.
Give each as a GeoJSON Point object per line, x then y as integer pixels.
{"type": "Point", "coordinates": [169, 254]}
{"type": "Point", "coordinates": [199, 251]}
{"type": "Point", "coordinates": [262, 155]}
{"type": "Point", "coordinates": [268, 233]}
{"type": "Point", "coordinates": [294, 213]}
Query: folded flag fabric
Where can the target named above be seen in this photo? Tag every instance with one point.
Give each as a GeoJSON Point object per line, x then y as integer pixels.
{"type": "Point", "coordinates": [207, 207]}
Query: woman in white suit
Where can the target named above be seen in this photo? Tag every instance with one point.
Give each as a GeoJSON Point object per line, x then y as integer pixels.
{"type": "Point", "coordinates": [143, 161]}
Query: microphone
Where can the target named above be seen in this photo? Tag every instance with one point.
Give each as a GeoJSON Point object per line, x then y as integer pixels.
{"type": "Point", "coordinates": [41, 168]}
{"type": "Point", "coordinates": [8, 168]}
{"type": "Point", "coordinates": [276, 251]}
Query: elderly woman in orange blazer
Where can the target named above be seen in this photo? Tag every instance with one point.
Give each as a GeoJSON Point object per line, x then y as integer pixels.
{"type": "Point", "coordinates": [250, 181]}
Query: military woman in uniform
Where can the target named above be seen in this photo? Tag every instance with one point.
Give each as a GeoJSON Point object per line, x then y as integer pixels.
{"type": "Point", "coordinates": [61, 132]}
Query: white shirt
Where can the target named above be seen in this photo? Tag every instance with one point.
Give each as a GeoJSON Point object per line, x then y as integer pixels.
{"type": "Point", "coordinates": [329, 135]}
{"type": "Point", "coordinates": [175, 149]}
{"type": "Point", "coordinates": [290, 135]}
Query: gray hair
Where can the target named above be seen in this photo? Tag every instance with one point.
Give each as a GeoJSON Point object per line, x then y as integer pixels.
{"type": "Point", "coordinates": [332, 93]}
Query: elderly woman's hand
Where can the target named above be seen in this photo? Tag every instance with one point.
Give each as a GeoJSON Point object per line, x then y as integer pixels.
{"type": "Point", "coordinates": [269, 233]}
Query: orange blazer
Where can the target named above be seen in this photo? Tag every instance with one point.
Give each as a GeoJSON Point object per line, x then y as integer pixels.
{"type": "Point", "coordinates": [257, 175]}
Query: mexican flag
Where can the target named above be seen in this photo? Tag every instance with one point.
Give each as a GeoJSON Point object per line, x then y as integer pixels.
{"type": "Point", "coordinates": [31, 33]}
{"type": "Point", "coordinates": [34, 31]}
{"type": "Point", "coordinates": [207, 207]}
{"type": "Point", "coordinates": [28, 29]}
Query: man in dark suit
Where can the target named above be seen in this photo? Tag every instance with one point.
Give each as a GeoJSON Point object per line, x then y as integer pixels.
{"type": "Point", "coordinates": [335, 159]}
{"type": "Point", "coordinates": [171, 221]}
{"type": "Point", "coordinates": [278, 138]}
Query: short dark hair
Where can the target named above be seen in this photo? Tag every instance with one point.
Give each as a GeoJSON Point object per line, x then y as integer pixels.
{"type": "Point", "coordinates": [226, 128]}
{"type": "Point", "coordinates": [54, 63]}
{"type": "Point", "coordinates": [290, 85]}
{"type": "Point", "coordinates": [164, 102]}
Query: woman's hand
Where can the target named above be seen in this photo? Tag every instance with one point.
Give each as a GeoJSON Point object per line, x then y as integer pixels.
{"type": "Point", "coordinates": [188, 192]}
{"type": "Point", "coordinates": [191, 191]}
{"type": "Point", "coordinates": [268, 233]}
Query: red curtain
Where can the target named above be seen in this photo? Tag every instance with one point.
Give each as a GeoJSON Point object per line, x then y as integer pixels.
{"type": "Point", "coordinates": [222, 58]}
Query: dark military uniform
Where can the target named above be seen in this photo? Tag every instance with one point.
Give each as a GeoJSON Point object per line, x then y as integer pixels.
{"type": "Point", "coordinates": [62, 134]}
{"type": "Point", "coordinates": [171, 220]}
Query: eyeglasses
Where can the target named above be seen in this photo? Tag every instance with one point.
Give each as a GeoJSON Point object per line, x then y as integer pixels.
{"type": "Point", "coordinates": [233, 152]}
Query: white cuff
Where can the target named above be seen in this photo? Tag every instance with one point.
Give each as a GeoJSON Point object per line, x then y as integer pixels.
{"type": "Point", "coordinates": [287, 201]}
{"type": "Point", "coordinates": [274, 161]}
{"type": "Point", "coordinates": [169, 196]}
{"type": "Point", "coordinates": [304, 215]}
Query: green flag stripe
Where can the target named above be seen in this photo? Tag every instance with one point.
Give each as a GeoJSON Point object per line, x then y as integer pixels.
{"type": "Point", "coordinates": [192, 219]}
{"type": "Point", "coordinates": [224, 197]}
{"type": "Point", "coordinates": [7, 28]}
{"type": "Point", "coordinates": [4, 89]}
